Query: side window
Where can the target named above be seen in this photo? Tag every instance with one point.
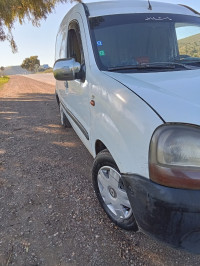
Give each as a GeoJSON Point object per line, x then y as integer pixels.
{"type": "Point", "coordinates": [61, 41]}
{"type": "Point", "coordinates": [74, 44]}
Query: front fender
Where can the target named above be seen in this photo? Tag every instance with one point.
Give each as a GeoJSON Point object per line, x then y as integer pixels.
{"type": "Point", "coordinates": [124, 123]}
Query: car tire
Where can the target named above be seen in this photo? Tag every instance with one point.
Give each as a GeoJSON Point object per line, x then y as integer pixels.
{"type": "Point", "coordinates": [110, 191]}
{"type": "Point", "coordinates": [63, 119]}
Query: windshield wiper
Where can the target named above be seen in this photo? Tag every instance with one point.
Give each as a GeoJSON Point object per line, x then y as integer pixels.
{"type": "Point", "coordinates": [187, 62]}
{"type": "Point", "coordinates": [143, 66]}
{"type": "Point", "coordinates": [175, 64]}
{"type": "Point", "coordinates": [185, 65]}
{"type": "Point", "coordinates": [155, 65]}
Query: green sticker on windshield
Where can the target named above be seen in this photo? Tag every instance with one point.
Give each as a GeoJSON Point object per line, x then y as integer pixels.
{"type": "Point", "coordinates": [102, 53]}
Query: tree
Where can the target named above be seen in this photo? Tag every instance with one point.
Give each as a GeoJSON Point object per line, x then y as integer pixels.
{"type": "Point", "coordinates": [31, 64]}
{"type": "Point", "coordinates": [19, 10]}
{"type": "Point", "coordinates": [2, 69]}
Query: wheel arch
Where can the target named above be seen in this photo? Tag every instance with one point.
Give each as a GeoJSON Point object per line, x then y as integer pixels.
{"type": "Point", "coordinates": [99, 146]}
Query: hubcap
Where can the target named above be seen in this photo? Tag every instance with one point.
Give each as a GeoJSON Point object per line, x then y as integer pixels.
{"type": "Point", "coordinates": [113, 194]}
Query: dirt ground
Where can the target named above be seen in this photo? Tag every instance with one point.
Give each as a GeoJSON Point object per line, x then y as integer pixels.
{"type": "Point", "coordinates": [49, 214]}
{"type": "Point", "coordinates": [47, 78]}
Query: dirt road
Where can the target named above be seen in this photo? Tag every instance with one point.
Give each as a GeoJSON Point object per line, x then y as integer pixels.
{"type": "Point", "coordinates": [47, 78]}
{"type": "Point", "coordinates": [49, 214]}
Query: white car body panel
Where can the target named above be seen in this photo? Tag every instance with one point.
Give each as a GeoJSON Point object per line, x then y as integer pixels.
{"type": "Point", "coordinates": [76, 90]}
{"type": "Point", "coordinates": [129, 107]}
{"type": "Point", "coordinates": [104, 8]}
{"type": "Point", "coordinates": [160, 89]}
{"type": "Point", "coordinates": [123, 122]}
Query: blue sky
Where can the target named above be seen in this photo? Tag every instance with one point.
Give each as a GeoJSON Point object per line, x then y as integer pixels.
{"type": "Point", "coordinates": [41, 41]}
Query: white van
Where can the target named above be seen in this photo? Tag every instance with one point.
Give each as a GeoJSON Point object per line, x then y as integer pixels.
{"type": "Point", "coordinates": [128, 82]}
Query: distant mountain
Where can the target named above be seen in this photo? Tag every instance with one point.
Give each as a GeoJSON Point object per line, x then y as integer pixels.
{"type": "Point", "coordinates": [190, 46]}
{"type": "Point", "coordinates": [15, 70]}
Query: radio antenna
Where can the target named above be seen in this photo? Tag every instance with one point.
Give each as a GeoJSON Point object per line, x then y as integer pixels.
{"type": "Point", "coordinates": [150, 6]}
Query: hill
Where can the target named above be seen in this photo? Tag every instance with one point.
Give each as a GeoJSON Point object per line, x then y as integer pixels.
{"type": "Point", "coordinates": [190, 46]}
{"type": "Point", "coordinates": [15, 70]}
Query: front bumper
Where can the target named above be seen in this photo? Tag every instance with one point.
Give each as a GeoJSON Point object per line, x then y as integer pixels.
{"type": "Point", "coordinates": [168, 214]}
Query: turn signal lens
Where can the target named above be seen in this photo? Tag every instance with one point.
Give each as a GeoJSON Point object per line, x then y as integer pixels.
{"type": "Point", "coordinates": [174, 158]}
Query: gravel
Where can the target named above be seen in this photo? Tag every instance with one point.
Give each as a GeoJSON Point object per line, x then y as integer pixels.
{"type": "Point", "coordinates": [48, 210]}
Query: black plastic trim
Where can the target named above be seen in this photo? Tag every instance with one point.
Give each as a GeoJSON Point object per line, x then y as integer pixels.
{"type": "Point", "coordinates": [191, 9]}
{"type": "Point", "coordinates": [168, 214]}
{"type": "Point", "coordinates": [87, 12]}
{"type": "Point", "coordinates": [76, 121]}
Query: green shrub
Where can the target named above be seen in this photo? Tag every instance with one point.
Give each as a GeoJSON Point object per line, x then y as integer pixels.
{"type": "Point", "coordinates": [49, 70]}
{"type": "Point", "coordinates": [4, 80]}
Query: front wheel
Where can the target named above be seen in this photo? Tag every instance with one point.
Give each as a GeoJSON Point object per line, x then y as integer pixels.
{"type": "Point", "coordinates": [110, 191]}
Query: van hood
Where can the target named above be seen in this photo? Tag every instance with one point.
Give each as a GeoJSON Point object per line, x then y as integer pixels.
{"type": "Point", "coordinates": [175, 96]}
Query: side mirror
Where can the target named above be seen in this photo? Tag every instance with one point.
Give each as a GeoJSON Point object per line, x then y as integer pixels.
{"type": "Point", "coordinates": [66, 69]}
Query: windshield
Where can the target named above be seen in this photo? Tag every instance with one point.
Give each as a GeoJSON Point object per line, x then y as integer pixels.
{"type": "Point", "coordinates": [134, 42]}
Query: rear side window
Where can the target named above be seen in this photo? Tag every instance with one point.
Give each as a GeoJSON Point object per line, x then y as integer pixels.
{"type": "Point", "coordinates": [61, 44]}
{"type": "Point", "coordinates": [74, 43]}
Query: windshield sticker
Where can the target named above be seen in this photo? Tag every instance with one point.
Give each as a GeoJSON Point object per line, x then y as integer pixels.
{"type": "Point", "coordinates": [158, 19]}
{"type": "Point", "coordinates": [99, 43]}
{"type": "Point", "coordinates": [102, 53]}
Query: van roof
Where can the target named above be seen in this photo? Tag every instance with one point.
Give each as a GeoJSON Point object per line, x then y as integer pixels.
{"type": "Point", "coordinates": [102, 8]}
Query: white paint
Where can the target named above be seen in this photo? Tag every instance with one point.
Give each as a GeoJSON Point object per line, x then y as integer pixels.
{"type": "Point", "coordinates": [120, 119]}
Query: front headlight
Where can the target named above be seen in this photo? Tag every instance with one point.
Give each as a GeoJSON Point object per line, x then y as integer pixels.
{"type": "Point", "coordinates": [174, 157]}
